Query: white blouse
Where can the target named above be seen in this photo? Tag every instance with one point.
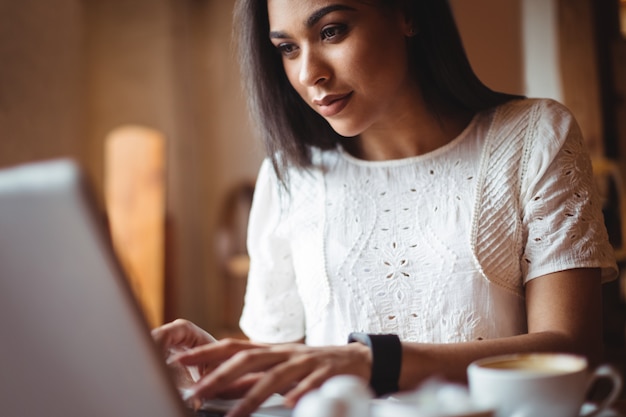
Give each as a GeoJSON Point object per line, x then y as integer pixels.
{"type": "Point", "coordinates": [435, 248]}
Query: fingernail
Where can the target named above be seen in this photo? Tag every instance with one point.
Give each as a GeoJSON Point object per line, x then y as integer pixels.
{"type": "Point", "coordinates": [189, 396]}
{"type": "Point", "coordinates": [187, 393]}
{"type": "Point", "coordinates": [171, 360]}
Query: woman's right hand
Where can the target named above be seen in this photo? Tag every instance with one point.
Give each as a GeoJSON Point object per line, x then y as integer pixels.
{"type": "Point", "coordinates": [176, 337]}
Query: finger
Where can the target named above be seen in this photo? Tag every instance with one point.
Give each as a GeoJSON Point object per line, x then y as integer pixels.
{"type": "Point", "coordinates": [242, 363]}
{"type": "Point", "coordinates": [214, 353]}
{"type": "Point", "coordinates": [277, 379]}
{"type": "Point", "coordinates": [176, 333]}
{"type": "Point", "coordinates": [180, 335]}
{"type": "Point", "coordinates": [309, 383]}
{"type": "Point", "coordinates": [204, 359]}
{"type": "Point", "coordinates": [184, 377]}
{"type": "Point", "coordinates": [240, 388]}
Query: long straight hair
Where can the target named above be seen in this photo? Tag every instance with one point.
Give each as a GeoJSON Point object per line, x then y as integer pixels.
{"type": "Point", "coordinates": [290, 129]}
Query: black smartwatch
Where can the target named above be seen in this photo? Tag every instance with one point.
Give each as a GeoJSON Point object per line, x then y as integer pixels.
{"type": "Point", "coordinates": [386, 360]}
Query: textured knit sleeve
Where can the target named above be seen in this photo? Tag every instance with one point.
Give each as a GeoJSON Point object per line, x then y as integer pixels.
{"type": "Point", "coordinates": [273, 311]}
{"type": "Point", "coordinates": [562, 214]}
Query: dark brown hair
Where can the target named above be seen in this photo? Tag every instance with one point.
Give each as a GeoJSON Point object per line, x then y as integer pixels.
{"type": "Point", "coordinates": [289, 128]}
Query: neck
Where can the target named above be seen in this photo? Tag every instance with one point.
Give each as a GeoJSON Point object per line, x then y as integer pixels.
{"type": "Point", "coordinates": [414, 131]}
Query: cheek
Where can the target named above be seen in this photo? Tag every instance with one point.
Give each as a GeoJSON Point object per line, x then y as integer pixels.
{"type": "Point", "coordinates": [292, 73]}
{"type": "Point", "coordinates": [373, 62]}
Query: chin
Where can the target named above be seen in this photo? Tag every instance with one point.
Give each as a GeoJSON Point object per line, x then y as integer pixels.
{"type": "Point", "coordinates": [345, 129]}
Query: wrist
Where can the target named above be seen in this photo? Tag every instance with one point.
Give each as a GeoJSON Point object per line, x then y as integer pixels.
{"type": "Point", "coordinates": [386, 360]}
{"type": "Point", "coordinates": [363, 355]}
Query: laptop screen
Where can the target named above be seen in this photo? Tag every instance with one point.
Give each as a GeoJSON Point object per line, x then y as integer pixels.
{"type": "Point", "coordinates": [74, 342]}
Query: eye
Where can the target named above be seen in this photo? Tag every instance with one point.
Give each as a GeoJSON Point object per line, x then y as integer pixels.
{"type": "Point", "coordinates": [331, 33]}
{"type": "Point", "coordinates": [287, 49]}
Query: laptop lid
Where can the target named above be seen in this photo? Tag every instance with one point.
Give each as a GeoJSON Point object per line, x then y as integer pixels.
{"type": "Point", "coordinates": [73, 340]}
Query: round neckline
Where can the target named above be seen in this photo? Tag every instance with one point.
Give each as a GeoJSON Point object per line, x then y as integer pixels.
{"type": "Point", "coordinates": [401, 161]}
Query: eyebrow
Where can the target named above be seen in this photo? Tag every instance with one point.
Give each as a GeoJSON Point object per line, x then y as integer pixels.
{"type": "Point", "coordinates": [314, 18]}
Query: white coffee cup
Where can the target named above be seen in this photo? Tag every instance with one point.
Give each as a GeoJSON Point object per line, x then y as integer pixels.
{"type": "Point", "coordinates": [539, 384]}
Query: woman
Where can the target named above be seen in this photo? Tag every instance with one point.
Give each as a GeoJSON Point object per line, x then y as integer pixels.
{"type": "Point", "coordinates": [404, 200]}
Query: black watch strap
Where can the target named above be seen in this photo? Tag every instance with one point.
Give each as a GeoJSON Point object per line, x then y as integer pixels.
{"type": "Point", "coordinates": [386, 360]}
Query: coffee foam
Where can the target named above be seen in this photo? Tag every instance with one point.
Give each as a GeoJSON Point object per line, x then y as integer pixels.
{"type": "Point", "coordinates": [541, 363]}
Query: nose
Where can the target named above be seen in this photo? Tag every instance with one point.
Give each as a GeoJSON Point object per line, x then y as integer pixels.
{"type": "Point", "coordinates": [314, 69]}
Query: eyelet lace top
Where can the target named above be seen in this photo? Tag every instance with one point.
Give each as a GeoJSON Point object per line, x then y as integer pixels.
{"type": "Point", "coordinates": [435, 248]}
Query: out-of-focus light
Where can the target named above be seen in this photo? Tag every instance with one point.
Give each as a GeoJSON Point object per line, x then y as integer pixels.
{"type": "Point", "coordinates": [622, 17]}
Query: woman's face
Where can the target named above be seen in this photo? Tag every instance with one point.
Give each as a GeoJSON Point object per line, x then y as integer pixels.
{"type": "Point", "coordinates": [346, 58]}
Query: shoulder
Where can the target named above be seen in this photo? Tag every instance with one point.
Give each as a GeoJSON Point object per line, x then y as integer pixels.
{"type": "Point", "coordinates": [541, 106]}
{"type": "Point", "coordinates": [321, 161]}
{"type": "Point", "coordinates": [545, 116]}
{"type": "Point", "coordinates": [542, 125]}
{"type": "Point", "coordinates": [297, 184]}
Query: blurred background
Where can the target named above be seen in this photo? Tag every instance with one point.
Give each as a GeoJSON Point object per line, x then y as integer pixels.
{"type": "Point", "coordinates": [145, 95]}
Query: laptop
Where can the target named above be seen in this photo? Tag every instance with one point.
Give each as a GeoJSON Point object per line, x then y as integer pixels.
{"type": "Point", "coordinates": [73, 340]}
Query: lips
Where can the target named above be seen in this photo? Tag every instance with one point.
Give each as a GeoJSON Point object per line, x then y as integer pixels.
{"type": "Point", "coordinates": [332, 104]}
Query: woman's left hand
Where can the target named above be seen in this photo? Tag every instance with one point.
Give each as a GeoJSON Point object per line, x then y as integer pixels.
{"type": "Point", "coordinates": [255, 371]}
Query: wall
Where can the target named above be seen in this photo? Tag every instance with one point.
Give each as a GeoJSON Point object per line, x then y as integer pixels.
{"type": "Point", "coordinates": [41, 81]}
{"type": "Point", "coordinates": [211, 106]}
{"type": "Point", "coordinates": [492, 35]}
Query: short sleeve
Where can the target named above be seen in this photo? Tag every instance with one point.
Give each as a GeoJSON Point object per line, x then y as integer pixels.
{"type": "Point", "coordinates": [273, 311]}
{"type": "Point", "coordinates": [562, 218]}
